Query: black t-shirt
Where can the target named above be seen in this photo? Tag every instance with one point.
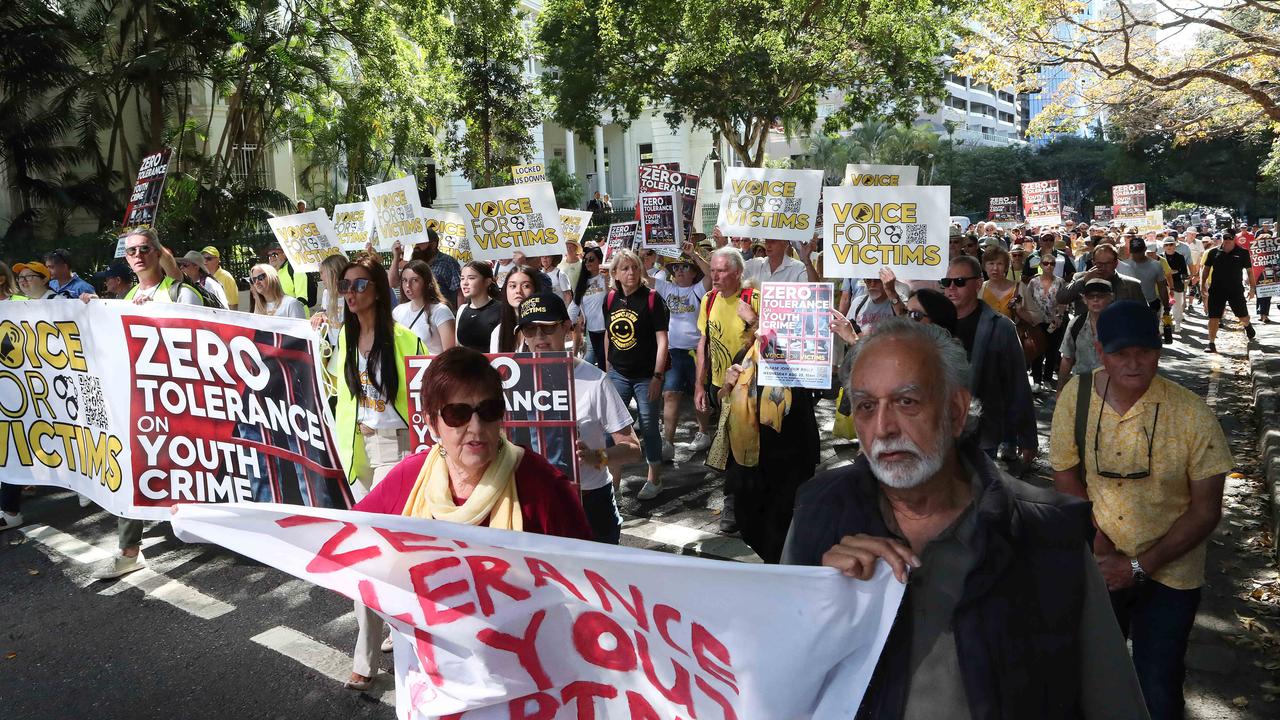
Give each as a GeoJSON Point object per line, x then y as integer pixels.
{"type": "Point", "coordinates": [631, 331]}
{"type": "Point", "coordinates": [1178, 265]}
{"type": "Point", "coordinates": [475, 325]}
{"type": "Point", "coordinates": [967, 329]}
{"type": "Point", "coordinates": [1227, 269]}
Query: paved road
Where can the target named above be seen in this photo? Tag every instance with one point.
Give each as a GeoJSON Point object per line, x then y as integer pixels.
{"type": "Point", "coordinates": [206, 634]}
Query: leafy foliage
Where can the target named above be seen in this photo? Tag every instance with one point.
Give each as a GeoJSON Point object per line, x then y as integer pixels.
{"type": "Point", "coordinates": [569, 189]}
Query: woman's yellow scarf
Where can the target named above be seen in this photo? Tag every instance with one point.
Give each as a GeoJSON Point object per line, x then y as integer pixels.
{"type": "Point", "coordinates": [750, 405]}
{"type": "Point", "coordinates": [493, 499]}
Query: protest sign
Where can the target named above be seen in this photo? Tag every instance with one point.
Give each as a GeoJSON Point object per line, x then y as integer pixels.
{"type": "Point", "coordinates": [904, 229]}
{"type": "Point", "coordinates": [620, 237]}
{"type": "Point", "coordinates": [451, 228]}
{"type": "Point", "coordinates": [1003, 210]}
{"type": "Point", "coordinates": [353, 225]}
{"type": "Point", "coordinates": [1265, 253]}
{"type": "Point", "coordinates": [540, 415]}
{"type": "Point", "coordinates": [307, 239]}
{"type": "Point", "coordinates": [867, 175]}
{"type": "Point", "coordinates": [1041, 203]}
{"type": "Point", "coordinates": [575, 223]}
{"type": "Point", "coordinates": [142, 407]}
{"type": "Point", "coordinates": [770, 204]}
{"type": "Point", "coordinates": [525, 174]}
{"type": "Point", "coordinates": [514, 218]}
{"type": "Point", "coordinates": [144, 201]}
{"type": "Point", "coordinates": [666, 177]}
{"type": "Point", "coordinates": [1151, 221]}
{"type": "Point", "coordinates": [495, 624]}
{"type": "Point", "coordinates": [1103, 213]}
{"type": "Point", "coordinates": [799, 352]}
{"type": "Point", "coordinates": [1129, 202]}
{"type": "Point", "coordinates": [661, 222]}
{"type": "Point", "coordinates": [398, 212]}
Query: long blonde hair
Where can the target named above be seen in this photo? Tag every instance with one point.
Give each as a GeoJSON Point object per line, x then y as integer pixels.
{"type": "Point", "coordinates": [274, 293]}
{"type": "Point", "coordinates": [331, 270]}
{"type": "Point", "coordinates": [8, 284]}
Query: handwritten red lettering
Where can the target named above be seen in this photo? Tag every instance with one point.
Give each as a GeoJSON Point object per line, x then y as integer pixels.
{"type": "Point", "coordinates": [299, 520]}
{"type": "Point", "coordinates": [425, 646]}
{"type": "Point", "coordinates": [705, 648]}
{"type": "Point", "coordinates": [544, 571]}
{"type": "Point", "coordinates": [639, 708]}
{"type": "Point", "coordinates": [635, 608]}
{"type": "Point", "coordinates": [725, 706]}
{"type": "Point", "coordinates": [489, 573]}
{"type": "Point", "coordinates": [328, 560]}
{"type": "Point", "coordinates": [680, 692]}
{"type": "Point", "coordinates": [583, 693]}
{"type": "Point", "coordinates": [524, 648]}
{"type": "Point", "coordinates": [545, 707]}
{"type": "Point", "coordinates": [369, 597]}
{"type": "Point", "coordinates": [662, 616]}
{"type": "Point", "coordinates": [430, 597]}
{"type": "Point", "coordinates": [407, 542]}
{"type": "Point", "coordinates": [587, 629]}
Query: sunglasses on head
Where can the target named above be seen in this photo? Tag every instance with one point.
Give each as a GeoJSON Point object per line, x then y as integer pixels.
{"type": "Point", "coordinates": [358, 285]}
{"type": "Point", "coordinates": [138, 250]}
{"type": "Point", "coordinates": [958, 282]}
{"type": "Point", "coordinates": [459, 414]}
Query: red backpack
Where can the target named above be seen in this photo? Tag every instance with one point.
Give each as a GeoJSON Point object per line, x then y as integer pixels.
{"type": "Point", "coordinates": [745, 294]}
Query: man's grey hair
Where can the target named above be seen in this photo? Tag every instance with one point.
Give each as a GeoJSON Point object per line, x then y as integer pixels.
{"type": "Point", "coordinates": [732, 254]}
{"type": "Point", "coordinates": [957, 373]}
{"type": "Point", "coordinates": [969, 261]}
{"type": "Point", "coordinates": [152, 239]}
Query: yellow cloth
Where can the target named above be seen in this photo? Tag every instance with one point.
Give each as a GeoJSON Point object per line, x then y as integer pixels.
{"type": "Point", "coordinates": [997, 302]}
{"type": "Point", "coordinates": [726, 334]}
{"type": "Point", "coordinates": [228, 284]}
{"type": "Point", "coordinates": [493, 499]}
{"type": "Point", "coordinates": [1189, 447]}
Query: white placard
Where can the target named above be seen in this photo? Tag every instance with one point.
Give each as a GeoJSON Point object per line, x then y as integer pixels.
{"type": "Point", "coordinates": [769, 204]}
{"type": "Point", "coordinates": [307, 239]}
{"type": "Point", "coordinates": [502, 221]}
{"type": "Point", "coordinates": [575, 224]}
{"type": "Point", "coordinates": [353, 225]}
{"type": "Point", "coordinates": [867, 175]}
{"type": "Point", "coordinates": [903, 228]}
{"type": "Point", "coordinates": [397, 211]}
{"type": "Point", "coordinates": [451, 228]}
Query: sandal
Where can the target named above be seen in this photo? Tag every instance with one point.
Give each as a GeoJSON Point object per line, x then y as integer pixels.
{"type": "Point", "coordinates": [359, 683]}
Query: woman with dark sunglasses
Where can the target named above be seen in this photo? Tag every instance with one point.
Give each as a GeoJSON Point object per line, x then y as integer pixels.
{"type": "Point", "coordinates": [587, 310]}
{"type": "Point", "coordinates": [268, 295]}
{"type": "Point", "coordinates": [472, 475]}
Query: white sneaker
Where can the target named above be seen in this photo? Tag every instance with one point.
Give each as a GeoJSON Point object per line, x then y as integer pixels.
{"type": "Point", "coordinates": [122, 565]}
{"type": "Point", "coordinates": [649, 491]}
{"type": "Point", "coordinates": [9, 522]}
{"type": "Point", "coordinates": [668, 451]}
{"type": "Point", "coordinates": [701, 441]}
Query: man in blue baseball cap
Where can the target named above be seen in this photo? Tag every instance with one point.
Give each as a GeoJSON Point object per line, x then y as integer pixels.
{"type": "Point", "coordinates": [1152, 458]}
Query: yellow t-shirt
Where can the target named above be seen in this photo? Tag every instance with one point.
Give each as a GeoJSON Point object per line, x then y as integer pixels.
{"type": "Point", "coordinates": [726, 334]}
{"type": "Point", "coordinates": [1189, 446]}
{"type": "Point", "coordinates": [228, 284]}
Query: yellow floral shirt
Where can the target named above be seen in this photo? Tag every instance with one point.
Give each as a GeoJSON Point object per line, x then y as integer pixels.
{"type": "Point", "coordinates": [1189, 446]}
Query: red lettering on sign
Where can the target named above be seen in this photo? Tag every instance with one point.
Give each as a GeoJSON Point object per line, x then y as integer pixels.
{"type": "Point", "coordinates": [544, 571]}
{"type": "Point", "coordinates": [680, 692]}
{"type": "Point", "coordinates": [524, 648]}
{"type": "Point", "coordinates": [297, 520]}
{"type": "Point", "coordinates": [704, 644]}
{"type": "Point", "coordinates": [583, 692]}
{"type": "Point", "coordinates": [587, 629]}
{"type": "Point", "coordinates": [405, 541]}
{"type": "Point", "coordinates": [425, 646]}
{"type": "Point", "coordinates": [369, 596]}
{"type": "Point", "coordinates": [640, 709]}
{"type": "Point", "coordinates": [489, 573]}
{"type": "Point", "coordinates": [430, 597]}
{"type": "Point", "coordinates": [545, 707]}
{"type": "Point", "coordinates": [719, 699]}
{"type": "Point", "coordinates": [327, 560]}
{"type": "Point", "coordinates": [635, 608]}
{"type": "Point", "coordinates": [662, 615]}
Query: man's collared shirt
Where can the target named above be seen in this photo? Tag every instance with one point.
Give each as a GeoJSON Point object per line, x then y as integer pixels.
{"type": "Point", "coordinates": [74, 288]}
{"type": "Point", "coordinates": [1188, 446]}
{"type": "Point", "coordinates": [757, 271]}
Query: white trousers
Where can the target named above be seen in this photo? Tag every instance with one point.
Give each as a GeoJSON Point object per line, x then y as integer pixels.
{"type": "Point", "coordinates": [1178, 311]}
{"type": "Point", "coordinates": [384, 449]}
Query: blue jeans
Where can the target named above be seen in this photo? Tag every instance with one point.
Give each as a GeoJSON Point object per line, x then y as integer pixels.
{"type": "Point", "coordinates": [602, 514]}
{"type": "Point", "coordinates": [638, 388]}
{"type": "Point", "coordinates": [1158, 620]}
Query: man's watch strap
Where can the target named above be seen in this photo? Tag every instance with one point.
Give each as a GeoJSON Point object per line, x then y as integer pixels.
{"type": "Point", "coordinates": [1138, 573]}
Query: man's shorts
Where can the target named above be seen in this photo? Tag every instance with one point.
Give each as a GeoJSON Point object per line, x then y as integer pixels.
{"type": "Point", "coordinates": [680, 372]}
{"type": "Point", "coordinates": [1219, 300]}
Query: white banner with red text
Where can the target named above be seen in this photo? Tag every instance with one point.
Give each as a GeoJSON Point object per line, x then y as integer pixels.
{"type": "Point", "coordinates": [496, 624]}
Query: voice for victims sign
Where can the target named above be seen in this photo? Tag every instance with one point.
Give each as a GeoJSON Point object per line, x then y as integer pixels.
{"type": "Point", "coordinates": [1042, 203]}
{"type": "Point", "coordinates": [575, 223]}
{"type": "Point", "coordinates": [513, 218]}
{"type": "Point", "coordinates": [495, 624]}
{"type": "Point", "coordinates": [770, 204]}
{"type": "Point", "coordinates": [865, 175]}
{"type": "Point", "coordinates": [353, 225]}
{"type": "Point", "coordinates": [451, 229]}
{"type": "Point", "coordinates": [307, 238]}
{"type": "Point", "coordinates": [903, 228]}
{"type": "Point", "coordinates": [398, 212]}
{"type": "Point", "coordinates": [143, 408]}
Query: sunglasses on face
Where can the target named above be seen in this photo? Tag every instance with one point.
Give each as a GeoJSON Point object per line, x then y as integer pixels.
{"type": "Point", "coordinates": [536, 330]}
{"type": "Point", "coordinates": [359, 286]}
{"type": "Point", "coordinates": [459, 414]}
{"type": "Point", "coordinates": [138, 250]}
{"type": "Point", "coordinates": [916, 315]}
{"type": "Point", "coordinates": [958, 282]}
{"type": "Point", "coordinates": [258, 278]}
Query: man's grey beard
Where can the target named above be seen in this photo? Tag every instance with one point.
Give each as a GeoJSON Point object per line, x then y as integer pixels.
{"type": "Point", "coordinates": [906, 474]}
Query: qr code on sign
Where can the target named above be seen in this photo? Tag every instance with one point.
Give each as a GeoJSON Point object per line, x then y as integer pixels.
{"type": "Point", "coordinates": [791, 205]}
{"type": "Point", "coordinates": [92, 409]}
{"type": "Point", "coordinates": [535, 222]}
{"type": "Point", "coordinates": [917, 234]}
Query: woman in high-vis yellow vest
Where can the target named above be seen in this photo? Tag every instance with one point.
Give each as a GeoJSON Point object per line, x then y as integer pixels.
{"type": "Point", "coordinates": [372, 413]}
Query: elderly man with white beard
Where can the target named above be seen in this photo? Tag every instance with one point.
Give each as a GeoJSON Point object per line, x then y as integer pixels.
{"type": "Point", "coordinates": [1005, 613]}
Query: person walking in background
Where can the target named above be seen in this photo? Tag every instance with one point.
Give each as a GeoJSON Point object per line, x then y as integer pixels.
{"type": "Point", "coordinates": [424, 311]}
{"type": "Point", "coordinates": [213, 265]}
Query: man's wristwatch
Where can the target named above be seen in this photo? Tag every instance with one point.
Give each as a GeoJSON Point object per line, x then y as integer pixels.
{"type": "Point", "coordinates": [1138, 573]}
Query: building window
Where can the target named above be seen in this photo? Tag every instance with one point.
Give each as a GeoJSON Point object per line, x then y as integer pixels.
{"type": "Point", "coordinates": [247, 167]}
{"type": "Point", "coordinates": [646, 153]}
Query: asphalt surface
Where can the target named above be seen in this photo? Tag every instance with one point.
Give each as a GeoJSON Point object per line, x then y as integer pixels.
{"type": "Point", "coordinates": [204, 633]}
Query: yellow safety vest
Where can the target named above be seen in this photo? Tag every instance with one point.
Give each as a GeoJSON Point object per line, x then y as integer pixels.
{"type": "Point", "coordinates": [350, 448]}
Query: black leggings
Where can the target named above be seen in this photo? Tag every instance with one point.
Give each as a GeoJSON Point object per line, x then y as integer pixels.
{"type": "Point", "coordinates": [1045, 366]}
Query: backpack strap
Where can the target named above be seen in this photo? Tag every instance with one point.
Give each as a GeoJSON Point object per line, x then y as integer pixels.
{"type": "Point", "coordinates": [608, 301]}
{"type": "Point", "coordinates": [1084, 396]}
{"type": "Point", "coordinates": [711, 301]}
{"type": "Point", "coordinates": [652, 293]}
{"type": "Point", "coordinates": [1077, 325]}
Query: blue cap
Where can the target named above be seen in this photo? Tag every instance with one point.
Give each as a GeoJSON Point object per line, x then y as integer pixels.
{"type": "Point", "coordinates": [117, 270]}
{"type": "Point", "coordinates": [1126, 324]}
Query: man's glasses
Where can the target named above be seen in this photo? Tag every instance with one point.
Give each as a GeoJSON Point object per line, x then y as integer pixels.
{"type": "Point", "coordinates": [258, 278]}
{"type": "Point", "coordinates": [1097, 434]}
{"type": "Point", "coordinates": [459, 414]}
{"type": "Point", "coordinates": [359, 285]}
{"type": "Point", "coordinates": [539, 330]}
{"type": "Point", "coordinates": [29, 278]}
{"type": "Point", "coordinates": [958, 282]}
{"type": "Point", "coordinates": [138, 250]}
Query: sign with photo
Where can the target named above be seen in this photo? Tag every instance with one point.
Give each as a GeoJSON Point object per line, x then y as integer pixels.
{"type": "Point", "coordinates": [768, 204]}
{"type": "Point", "coordinates": [797, 318]}
{"type": "Point", "coordinates": [1042, 203]}
{"type": "Point", "coordinates": [620, 237]}
{"type": "Point", "coordinates": [666, 177]}
{"type": "Point", "coordinates": [1129, 202]}
{"type": "Point", "coordinates": [144, 201]}
{"type": "Point", "coordinates": [661, 223]}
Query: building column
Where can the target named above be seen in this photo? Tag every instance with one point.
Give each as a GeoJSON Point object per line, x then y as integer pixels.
{"type": "Point", "coordinates": [602, 183]}
{"type": "Point", "coordinates": [539, 144]}
{"type": "Point", "coordinates": [570, 157]}
{"type": "Point", "coordinates": [630, 164]}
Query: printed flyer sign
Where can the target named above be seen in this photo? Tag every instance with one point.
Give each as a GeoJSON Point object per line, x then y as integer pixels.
{"type": "Point", "coordinates": [397, 212]}
{"type": "Point", "coordinates": [866, 175]}
{"type": "Point", "coordinates": [620, 237]}
{"type": "Point", "coordinates": [540, 405]}
{"type": "Point", "coordinates": [307, 239]}
{"type": "Point", "coordinates": [1129, 202]}
{"type": "Point", "coordinates": [904, 229]}
{"type": "Point", "coordinates": [770, 204]}
{"type": "Point", "coordinates": [666, 177]}
{"type": "Point", "coordinates": [353, 225]}
{"type": "Point", "coordinates": [1103, 213]}
{"type": "Point", "coordinates": [451, 228]}
{"type": "Point", "coordinates": [1265, 252]}
{"type": "Point", "coordinates": [1042, 203]}
{"type": "Point", "coordinates": [525, 174]}
{"type": "Point", "coordinates": [1151, 221]}
{"type": "Point", "coordinates": [496, 625]}
{"type": "Point", "coordinates": [575, 224]}
{"type": "Point", "coordinates": [661, 222]}
{"type": "Point", "coordinates": [513, 218]}
{"type": "Point", "coordinates": [799, 353]}
{"type": "Point", "coordinates": [1003, 210]}
{"type": "Point", "coordinates": [143, 407]}
{"type": "Point", "coordinates": [144, 201]}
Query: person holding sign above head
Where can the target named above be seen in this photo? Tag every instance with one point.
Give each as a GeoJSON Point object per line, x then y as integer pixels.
{"type": "Point", "coordinates": [424, 311]}
{"type": "Point", "coordinates": [472, 476]}
{"type": "Point", "coordinates": [1005, 612]}
{"type": "Point", "coordinates": [268, 297]}
{"type": "Point", "coordinates": [778, 266]}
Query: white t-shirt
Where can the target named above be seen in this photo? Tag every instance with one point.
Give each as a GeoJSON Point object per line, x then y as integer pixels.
{"type": "Point", "coordinates": [601, 413]}
{"type": "Point", "coordinates": [287, 307]}
{"type": "Point", "coordinates": [215, 289]}
{"type": "Point", "coordinates": [593, 303]}
{"type": "Point", "coordinates": [682, 305]}
{"type": "Point", "coordinates": [757, 271]}
{"type": "Point", "coordinates": [656, 272]}
{"type": "Point", "coordinates": [374, 410]}
{"type": "Point", "coordinates": [559, 280]}
{"type": "Point", "coordinates": [425, 323]}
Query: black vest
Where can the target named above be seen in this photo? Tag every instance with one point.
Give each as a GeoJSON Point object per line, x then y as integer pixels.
{"type": "Point", "coordinates": [1017, 623]}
